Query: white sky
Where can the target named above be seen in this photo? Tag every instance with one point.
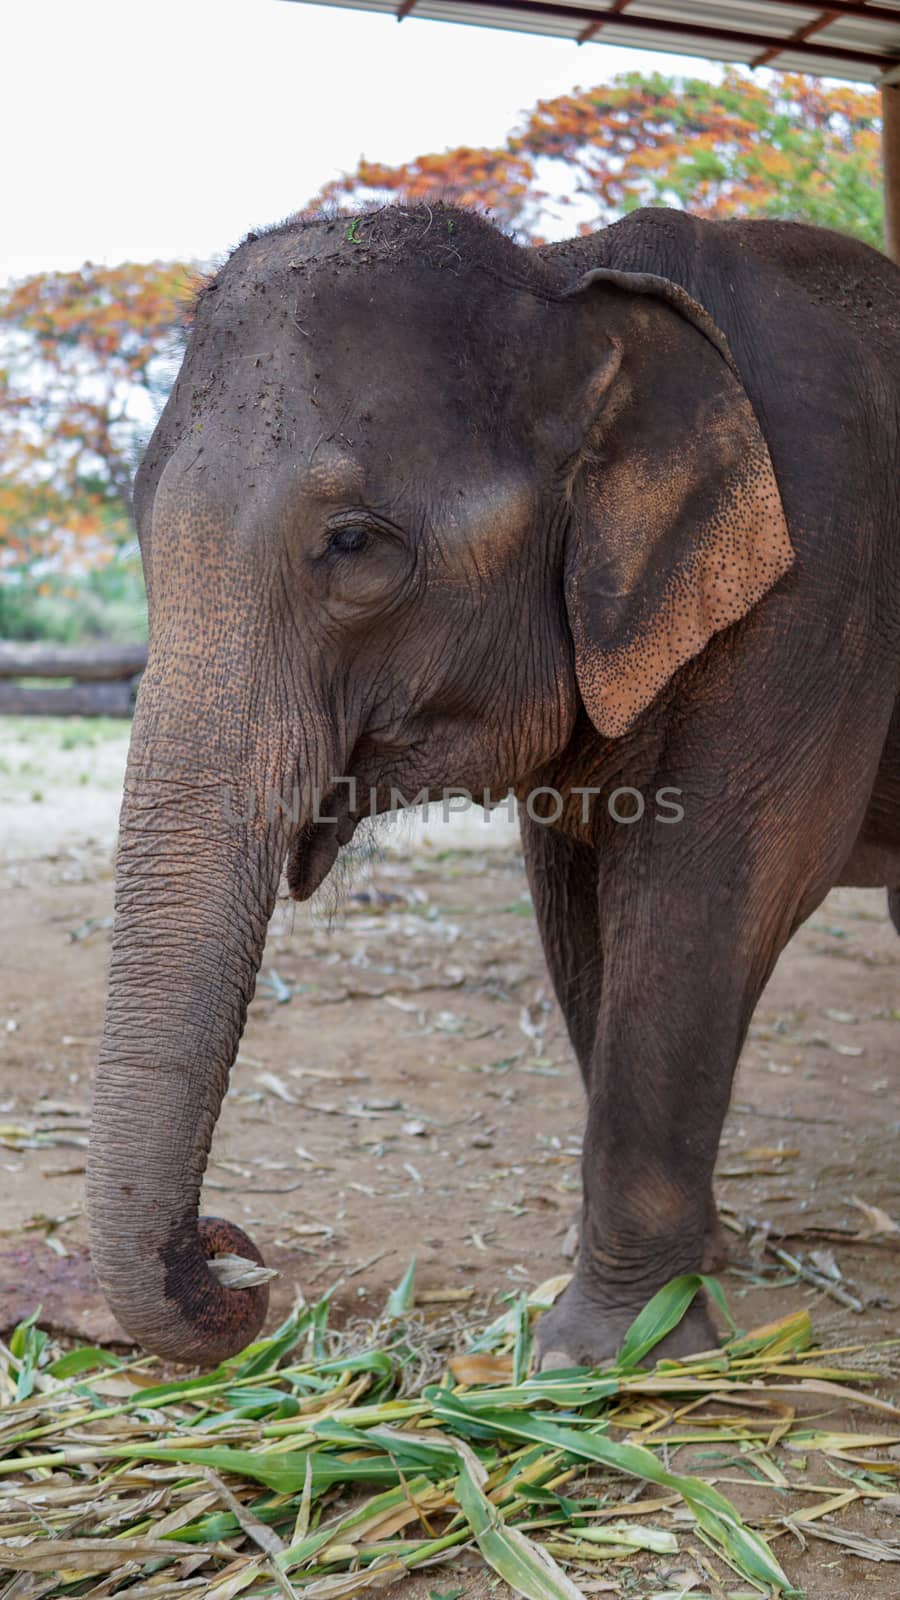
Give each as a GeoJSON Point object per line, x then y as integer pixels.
{"type": "Point", "coordinates": [135, 129]}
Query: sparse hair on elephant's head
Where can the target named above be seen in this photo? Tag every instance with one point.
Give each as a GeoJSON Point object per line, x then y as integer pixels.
{"type": "Point", "coordinates": [437, 234]}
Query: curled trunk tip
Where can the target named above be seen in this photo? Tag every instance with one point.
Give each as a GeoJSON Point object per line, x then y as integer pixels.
{"type": "Point", "coordinates": [188, 1315]}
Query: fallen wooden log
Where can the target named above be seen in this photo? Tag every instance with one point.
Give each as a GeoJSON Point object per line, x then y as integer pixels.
{"type": "Point", "coordinates": [75, 700]}
{"type": "Point", "coordinates": [87, 663]}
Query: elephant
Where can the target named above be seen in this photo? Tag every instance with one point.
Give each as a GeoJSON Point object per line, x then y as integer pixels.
{"type": "Point", "coordinates": [430, 506]}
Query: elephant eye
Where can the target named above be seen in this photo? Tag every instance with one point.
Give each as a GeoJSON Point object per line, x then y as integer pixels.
{"type": "Point", "coordinates": [348, 541]}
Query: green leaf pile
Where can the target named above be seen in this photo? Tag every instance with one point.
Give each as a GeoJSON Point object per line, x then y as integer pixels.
{"type": "Point", "coordinates": [294, 1470]}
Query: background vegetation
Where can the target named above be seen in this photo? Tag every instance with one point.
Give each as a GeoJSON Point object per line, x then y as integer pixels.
{"type": "Point", "coordinates": [86, 357]}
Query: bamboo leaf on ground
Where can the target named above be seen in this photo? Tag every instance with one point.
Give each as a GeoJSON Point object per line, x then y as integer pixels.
{"type": "Point", "coordinates": [314, 1464]}
{"type": "Point", "coordinates": [528, 1569]}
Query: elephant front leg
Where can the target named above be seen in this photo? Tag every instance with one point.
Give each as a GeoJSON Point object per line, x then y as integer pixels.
{"type": "Point", "coordinates": [563, 877]}
{"type": "Point", "coordinates": [677, 999]}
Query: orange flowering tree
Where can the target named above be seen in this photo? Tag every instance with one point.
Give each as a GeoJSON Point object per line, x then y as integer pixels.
{"type": "Point", "coordinates": [788, 147]}
{"type": "Point", "coordinates": [86, 357]}
{"type": "Point", "coordinates": [85, 360]}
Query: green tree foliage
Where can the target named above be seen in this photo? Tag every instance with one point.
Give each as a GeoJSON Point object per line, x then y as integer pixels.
{"type": "Point", "coordinates": [786, 147]}
{"type": "Point", "coordinates": [86, 359]}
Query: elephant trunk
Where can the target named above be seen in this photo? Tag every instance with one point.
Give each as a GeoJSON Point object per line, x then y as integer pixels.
{"type": "Point", "coordinates": [195, 889]}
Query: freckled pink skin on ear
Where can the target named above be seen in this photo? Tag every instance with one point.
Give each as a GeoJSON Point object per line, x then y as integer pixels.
{"type": "Point", "coordinates": [677, 522]}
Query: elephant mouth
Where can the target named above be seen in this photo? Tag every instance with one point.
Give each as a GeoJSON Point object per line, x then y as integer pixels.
{"type": "Point", "coordinates": [315, 849]}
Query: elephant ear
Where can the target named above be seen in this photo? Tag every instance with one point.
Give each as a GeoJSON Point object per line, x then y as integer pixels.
{"type": "Point", "coordinates": [676, 523]}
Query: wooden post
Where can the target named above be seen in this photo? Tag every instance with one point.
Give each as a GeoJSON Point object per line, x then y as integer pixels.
{"type": "Point", "coordinates": [890, 140]}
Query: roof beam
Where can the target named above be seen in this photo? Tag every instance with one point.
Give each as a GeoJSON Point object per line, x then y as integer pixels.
{"type": "Point", "coordinates": [799, 37]}
{"type": "Point", "coordinates": [615, 10]}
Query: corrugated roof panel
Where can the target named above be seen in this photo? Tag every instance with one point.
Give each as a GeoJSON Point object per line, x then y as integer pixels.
{"type": "Point", "coordinates": [499, 16]}
{"type": "Point", "coordinates": [779, 21]}
{"type": "Point", "coordinates": [489, 16]}
{"type": "Point", "coordinates": [861, 35]}
{"type": "Point", "coordinates": [789, 60]}
{"type": "Point", "coordinates": [860, 45]}
{"type": "Point", "coordinates": [657, 39]}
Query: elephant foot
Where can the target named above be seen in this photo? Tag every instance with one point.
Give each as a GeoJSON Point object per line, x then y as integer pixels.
{"type": "Point", "coordinates": [715, 1244]}
{"type": "Point", "coordinates": [579, 1332]}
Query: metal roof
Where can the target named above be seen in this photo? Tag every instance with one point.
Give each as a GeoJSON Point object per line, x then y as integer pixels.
{"type": "Point", "coordinates": [856, 39]}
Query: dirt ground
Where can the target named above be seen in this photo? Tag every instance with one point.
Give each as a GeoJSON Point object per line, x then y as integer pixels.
{"type": "Point", "coordinates": [405, 1086]}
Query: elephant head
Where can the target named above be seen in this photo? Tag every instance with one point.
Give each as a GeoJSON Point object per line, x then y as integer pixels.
{"type": "Point", "coordinates": [411, 504]}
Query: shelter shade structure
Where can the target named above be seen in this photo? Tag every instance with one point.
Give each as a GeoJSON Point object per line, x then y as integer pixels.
{"type": "Point", "coordinates": [854, 39]}
{"type": "Point", "coordinates": [890, 142]}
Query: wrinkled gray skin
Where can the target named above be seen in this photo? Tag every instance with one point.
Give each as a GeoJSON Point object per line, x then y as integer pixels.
{"type": "Point", "coordinates": [428, 508]}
